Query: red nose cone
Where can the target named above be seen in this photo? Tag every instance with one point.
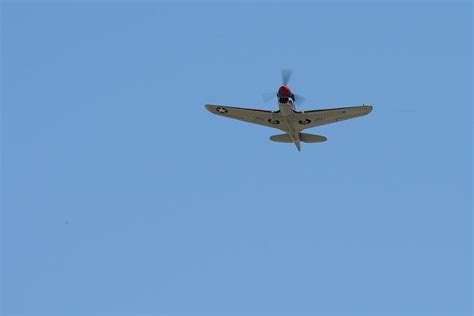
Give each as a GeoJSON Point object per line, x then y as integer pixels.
{"type": "Point", "coordinates": [284, 92]}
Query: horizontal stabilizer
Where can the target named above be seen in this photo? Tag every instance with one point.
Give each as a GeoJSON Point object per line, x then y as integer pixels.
{"type": "Point", "coordinates": [305, 138]}
{"type": "Point", "coordinates": [310, 138]}
{"type": "Point", "coordinates": [281, 138]}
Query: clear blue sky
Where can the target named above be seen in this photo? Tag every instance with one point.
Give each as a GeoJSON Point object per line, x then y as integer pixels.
{"type": "Point", "coordinates": [123, 195]}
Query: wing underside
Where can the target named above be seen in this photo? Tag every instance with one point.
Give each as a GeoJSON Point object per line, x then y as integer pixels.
{"type": "Point", "coordinates": [261, 117]}
{"type": "Point", "coordinates": [315, 118]}
{"type": "Point", "coordinates": [299, 120]}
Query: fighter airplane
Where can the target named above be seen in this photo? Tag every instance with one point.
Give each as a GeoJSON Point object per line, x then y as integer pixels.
{"type": "Point", "coordinates": [288, 119]}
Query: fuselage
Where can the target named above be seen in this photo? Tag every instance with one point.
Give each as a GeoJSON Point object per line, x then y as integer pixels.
{"type": "Point", "coordinates": [286, 103]}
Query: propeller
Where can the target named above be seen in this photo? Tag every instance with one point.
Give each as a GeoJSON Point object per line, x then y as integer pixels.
{"type": "Point", "coordinates": [299, 98]}
{"type": "Point", "coordinates": [285, 78]}
{"type": "Point", "coordinates": [268, 96]}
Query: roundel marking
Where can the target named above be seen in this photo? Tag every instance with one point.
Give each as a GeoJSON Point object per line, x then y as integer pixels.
{"type": "Point", "coordinates": [221, 110]}
{"type": "Point", "coordinates": [304, 122]}
{"type": "Point", "coordinates": [275, 122]}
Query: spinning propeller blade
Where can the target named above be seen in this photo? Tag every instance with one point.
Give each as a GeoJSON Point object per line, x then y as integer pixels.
{"type": "Point", "coordinates": [267, 96]}
{"type": "Point", "coordinates": [285, 76]}
{"type": "Point", "coordinates": [299, 99]}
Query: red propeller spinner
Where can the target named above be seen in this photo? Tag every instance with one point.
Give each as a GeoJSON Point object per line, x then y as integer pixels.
{"type": "Point", "coordinates": [284, 92]}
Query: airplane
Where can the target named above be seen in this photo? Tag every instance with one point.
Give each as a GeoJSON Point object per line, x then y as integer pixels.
{"type": "Point", "coordinates": [288, 119]}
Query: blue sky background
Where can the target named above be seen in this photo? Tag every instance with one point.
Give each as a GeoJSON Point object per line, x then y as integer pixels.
{"type": "Point", "coordinates": [123, 195]}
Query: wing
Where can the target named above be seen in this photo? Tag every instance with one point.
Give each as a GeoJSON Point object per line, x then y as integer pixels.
{"type": "Point", "coordinates": [308, 119]}
{"type": "Point", "coordinates": [261, 117]}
